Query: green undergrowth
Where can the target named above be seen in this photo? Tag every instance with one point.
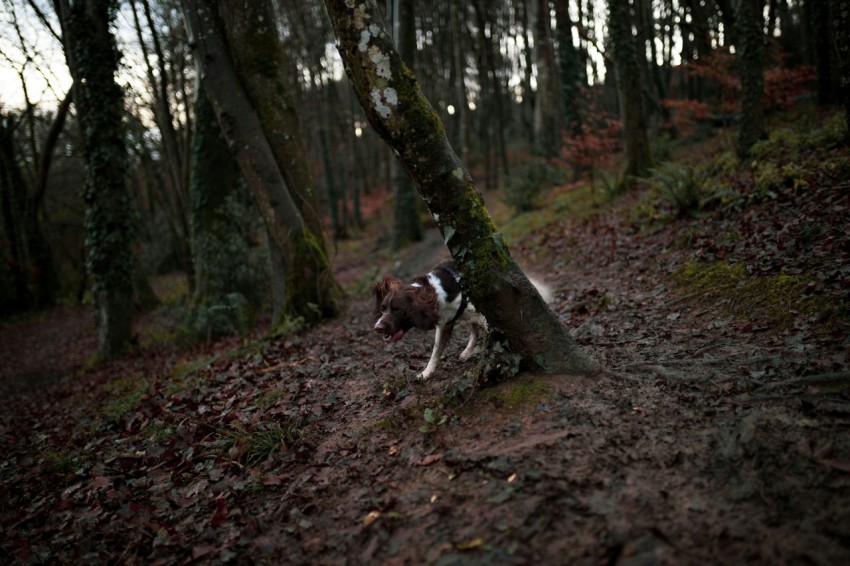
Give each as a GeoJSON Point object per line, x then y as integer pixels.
{"type": "Point", "coordinates": [578, 203]}
{"type": "Point", "coordinates": [123, 396]}
{"type": "Point", "coordinates": [183, 375]}
{"type": "Point", "coordinates": [517, 394]}
{"type": "Point", "coordinates": [256, 444]}
{"type": "Point", "coordinates": [792, 159]}
{"type": "Point", "coordinates": [776, 300]}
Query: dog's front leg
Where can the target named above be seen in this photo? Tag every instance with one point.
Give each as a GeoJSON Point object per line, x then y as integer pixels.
{"type": "Point", "coordinates": [441, 338]}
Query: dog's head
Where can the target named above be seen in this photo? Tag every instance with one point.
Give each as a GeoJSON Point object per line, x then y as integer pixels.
{"type": "Point", "coordinates": [400, 307]}
{"type": "Point", "coordinates": [391, 308]}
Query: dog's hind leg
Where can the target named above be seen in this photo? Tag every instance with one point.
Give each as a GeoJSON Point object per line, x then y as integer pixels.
{"type": "Point", "coordinates": [472, 347]}
{"type": "Point", "coordinates": [441, 338]}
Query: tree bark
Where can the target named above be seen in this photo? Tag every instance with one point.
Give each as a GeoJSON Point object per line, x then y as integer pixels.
{"type": "Point", "coordinates": [243, 130]}
{"type": "Point", "coordinates": [546, 122]}
{"type": "Point", "coordinates": [751, 70]}
{"type": "Point", "coordinates": [489, 58]}
{"type": "Point", "coordinates": [219, 248]}
{"type": "Point", "coordinates": [260, 61]}
{"type": "Point", "coordinates": [823, 49]}
{"type": "Point", "coordinates": [92, 57]}
{"type": "Point", "coordinates": [840, 11]}
{"type": "Point", "coordinates": [635, 136]}
{"type": "Point", "coordinates": [407, 227]}
{"type": "Point", "coordinates": [12, 207]}
{"type": "Point", "coordinates": [403, 117]}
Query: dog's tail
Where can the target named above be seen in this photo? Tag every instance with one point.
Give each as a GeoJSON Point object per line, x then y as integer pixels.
{"type": "Point", "coordinates": [544, 290]}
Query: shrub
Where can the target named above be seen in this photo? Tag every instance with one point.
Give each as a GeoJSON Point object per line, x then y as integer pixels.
{"type": "Point", "coordinates": [682, 185]}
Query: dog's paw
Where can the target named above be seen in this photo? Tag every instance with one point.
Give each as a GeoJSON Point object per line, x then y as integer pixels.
{"type": "Point", "coordinates": [466, 355]}
{"type": "Point", "coordinates": [424, 375]}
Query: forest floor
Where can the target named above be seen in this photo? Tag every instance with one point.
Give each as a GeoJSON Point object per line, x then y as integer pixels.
{"type": "Point", "coordinates": [720, 432]}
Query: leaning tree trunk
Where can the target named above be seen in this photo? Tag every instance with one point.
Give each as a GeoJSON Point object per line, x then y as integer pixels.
{"type": "Point", "coordinates": [403, 117]}
{"type": "Point", "coordinates": [92, 57]}
{"type": "Point", "coordinates": [635, 136]}
{"type": "Point", "coordinates": [261, 64]}
{"type": "Point", "coordinates": [751, 69]}
{"type": "Point", "coordinates": [243, 130]}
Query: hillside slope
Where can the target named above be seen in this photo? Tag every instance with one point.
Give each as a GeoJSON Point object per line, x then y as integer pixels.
{"type": "Point", "coordinates": [718, 434]}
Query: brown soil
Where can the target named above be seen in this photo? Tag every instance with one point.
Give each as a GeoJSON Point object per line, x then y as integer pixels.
{"type": "Point", "coordinates": [321, 448]}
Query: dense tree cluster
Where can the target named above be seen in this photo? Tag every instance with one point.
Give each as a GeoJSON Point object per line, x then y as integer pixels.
{"type": "Point", "coordinates": [223, 140]}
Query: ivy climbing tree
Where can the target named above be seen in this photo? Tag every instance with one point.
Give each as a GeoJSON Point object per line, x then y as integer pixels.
{"type": "Point", "coordinates": [309, 291]}
{"type": "Point", "coordinates": [92, 57]}
{"type": "Point", "coordinates": [390, 95]}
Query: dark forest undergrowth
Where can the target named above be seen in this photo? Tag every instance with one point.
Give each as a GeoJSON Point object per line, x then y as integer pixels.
{"type": "Point", "coordinates": [716, 296]}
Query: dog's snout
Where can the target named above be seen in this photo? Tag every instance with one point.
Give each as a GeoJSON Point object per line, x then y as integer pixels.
{"type": "Point", "coordinates": [379, 326]}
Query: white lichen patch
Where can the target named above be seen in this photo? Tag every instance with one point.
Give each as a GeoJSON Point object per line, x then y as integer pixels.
{"type": "Point", "coordinates": [391, 96]}
{"type": "Point", "coordinates": [382, 109]}
{"type": "Point", "coordinates": [375, 29]}
{"type": "Point", "coordinates": [458, 173]}
{"type": "Point", "coordinates": [349, 4]}
{"type": "Point", "coordinates": [365, 36]}
{"type": "Point", "coordinates": [381, 61]}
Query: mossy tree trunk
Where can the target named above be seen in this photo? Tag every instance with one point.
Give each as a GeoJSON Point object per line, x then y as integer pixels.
{"type": "Point", "coordinates": [403, 117]}
{"type": "Point", "coordinates": [635, 135]}
{"type": "Point", "coordinates": [750, 20]}
{"type": "Point", "coordinates": [262, 65]}
{"type": "Point", "coordinates": [840, 12]}
{"type": "Point", "coordinates": [92, 57]}
{"type": "Point", "coordinates": [241, 126]}
{"type": "Point", "coordinates": [220, 250]}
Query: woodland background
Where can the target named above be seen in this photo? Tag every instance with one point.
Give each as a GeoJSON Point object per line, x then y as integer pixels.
{"type": "Point", "coordinates": [528, 91]}
{"type": "Point", "coordinates": [194, 204]}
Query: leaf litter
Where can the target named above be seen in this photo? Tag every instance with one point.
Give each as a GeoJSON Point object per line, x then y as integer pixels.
{"type": "Point", "coordinates": [702, 443]}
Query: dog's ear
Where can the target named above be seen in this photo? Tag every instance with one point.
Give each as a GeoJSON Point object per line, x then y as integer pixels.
{"type": "Point", "coordinates": [382, 288]}
{"type": "Point", "coordinates": [424, 309]}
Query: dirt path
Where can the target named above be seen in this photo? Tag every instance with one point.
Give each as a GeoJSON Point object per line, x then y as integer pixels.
{"type": "Point", "coordinates": [37, 351]}
{"type": "Point", "coordinates": [321, 448]}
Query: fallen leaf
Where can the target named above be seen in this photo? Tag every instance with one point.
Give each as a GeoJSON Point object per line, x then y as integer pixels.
{"type": "Point", "coordinates": [196, 488]}
{"type": "Point", "coordinates": [272, 479]}
{"type": "Point", "coordinates": [430, 459]}
{"type": "Point", "coordinates": [100, 481]}
{"type": "Point", "coordinates": [202, 550]}
{"type": "Point", "coordinates": [220, 515]}
{"type": "Point", "coordinates": [371, 518]}
{"type": "Point", "coordinates": [471, 545]}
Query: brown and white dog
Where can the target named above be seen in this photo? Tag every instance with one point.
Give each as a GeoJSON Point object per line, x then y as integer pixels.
{"type": "Point", "coordinates": [431, 301]}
